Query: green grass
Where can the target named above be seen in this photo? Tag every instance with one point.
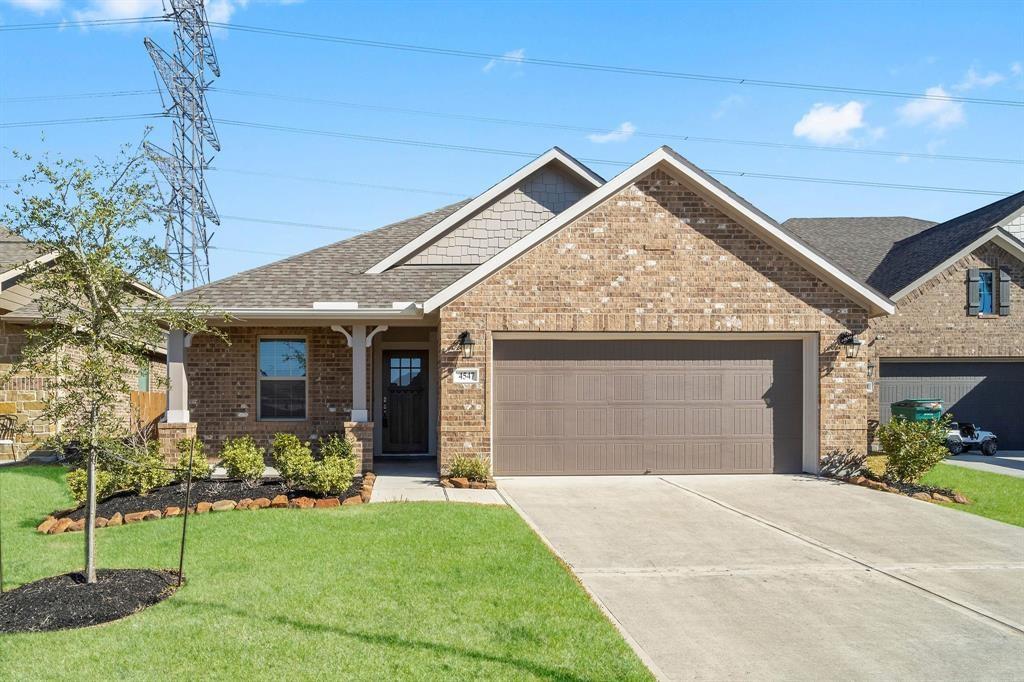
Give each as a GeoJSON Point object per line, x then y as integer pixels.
{"type": "Point", "coordinates": [395, 591]}
{"type": "Point", "coordinates": [994, 496]}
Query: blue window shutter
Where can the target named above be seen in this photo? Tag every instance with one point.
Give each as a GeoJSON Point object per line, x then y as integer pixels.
{"type": "Point", "coordinates": [972, 291]}
{"type": "Point", "coordinates": [1004, 291]}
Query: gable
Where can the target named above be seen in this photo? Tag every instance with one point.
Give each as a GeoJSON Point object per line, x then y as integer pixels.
{"type": "Point", "coordinates": [534, 201]}
{"type": "Point", "coordinates": [659, 253]}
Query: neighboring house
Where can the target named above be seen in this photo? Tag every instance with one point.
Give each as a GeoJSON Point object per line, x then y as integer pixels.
{"type": "Point", "coordinates": [958, 330]}
{"type": "Point", "coordinates": [558, 324]}
{"type": "Point", "coordinates": [23, 397]}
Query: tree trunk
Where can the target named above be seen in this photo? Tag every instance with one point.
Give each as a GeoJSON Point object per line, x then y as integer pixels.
{"type": "Point", "coordinates": [90, 500]}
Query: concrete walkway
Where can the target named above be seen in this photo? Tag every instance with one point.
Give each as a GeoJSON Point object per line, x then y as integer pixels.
{"type": "Point", "coordinates": [788, 577]}
{"type": "Point", "coordinates": [414, 479]}
{"type": "Point", "coordinates": [1010, 463]}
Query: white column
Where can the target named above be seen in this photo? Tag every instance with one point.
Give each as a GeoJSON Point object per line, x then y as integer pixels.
{"type": "Point", "coordinates": [359, 411]}
{"type": "Point", "coordinates": [177, 381]}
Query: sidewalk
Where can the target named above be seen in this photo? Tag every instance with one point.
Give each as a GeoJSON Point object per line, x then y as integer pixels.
{"type": "Point", "coordinates": [414, 479]}
{"type": "Point", "coordinates": [1009, 462]}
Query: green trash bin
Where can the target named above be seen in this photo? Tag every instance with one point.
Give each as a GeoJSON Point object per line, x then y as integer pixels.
{"type": "Point", "coordinates": [917, 410]}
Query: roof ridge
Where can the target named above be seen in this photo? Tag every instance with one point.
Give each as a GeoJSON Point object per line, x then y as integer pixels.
{"type": "Point", "coordinates": [965, 217]}
{"type": "Point", "coordinates": [318, 249]}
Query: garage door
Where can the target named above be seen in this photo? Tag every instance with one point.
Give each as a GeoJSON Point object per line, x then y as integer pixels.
{"type": "Point", "coordinates": [987, 393]}
{"type": "Point", "coordinates": [633, 407]}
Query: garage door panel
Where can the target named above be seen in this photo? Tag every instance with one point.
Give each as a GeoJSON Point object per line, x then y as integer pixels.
{"type": "Point", "coordinates": [988, 393]}
{"type": "Point", "coordinates": [648, 406]}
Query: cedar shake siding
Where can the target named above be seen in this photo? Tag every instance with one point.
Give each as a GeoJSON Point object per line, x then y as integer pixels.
{"type": "Point", "coordinates": [655, 257]}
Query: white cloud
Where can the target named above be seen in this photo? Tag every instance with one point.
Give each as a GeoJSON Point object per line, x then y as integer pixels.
{"type": "Point", "coordinates": [937, 113]}
{"type": "Point", "coordinates": [728, 104]}
{"type": "Point", "coordinates": [216, 10]}
{"type": "Point", "coordinates": [620, 134]}
{"type": "Point", "coordinates": [221, 10]}
{"type": "Point", "coordinates": [1016, 69]}
{"type": "Point", "coordinates": [511, 57]}
{"type": "Point", "coordinates": [829, 124]}
{"type": "Point", "coordinates": [37, 6]}
{"type": "Point", "coordinates": [973, 79]}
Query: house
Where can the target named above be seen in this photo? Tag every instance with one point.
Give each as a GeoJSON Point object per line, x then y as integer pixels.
{"type": "Point", "coordinates": [557, 323]}
{"type": "Point", "coordinates": [958, 329]}
{"type": "Point", "coordinates": [23, 397]}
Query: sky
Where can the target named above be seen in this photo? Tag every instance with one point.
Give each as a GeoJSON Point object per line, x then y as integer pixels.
{"type": "Point", "coordinates": [331, 184]}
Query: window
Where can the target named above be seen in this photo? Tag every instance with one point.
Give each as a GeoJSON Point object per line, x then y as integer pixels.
{"type": "Point", "coordinates": [144, 377]}
{"type": "Point", "coordinates": [282, 379]}
{"type": "Point", "coordinates": [986, 292]}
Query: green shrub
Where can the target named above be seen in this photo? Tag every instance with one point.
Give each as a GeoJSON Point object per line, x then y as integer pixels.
{"type": "Point", "coordinates": [336, 446]}
{"type": "Point", "coordinates": [473, 468]}
{"type": "Point", "coordinates": [137, 466]}
{"type": "Point", "coordinates": [332, 475]}
{"type": "Point", "coordinates": [243, 459]}
{"type": "Point", "coordinates": [78, 482]}
{"type": "Point", "coordinates": [292, 458]}
{"type": "Point", "coordinates": [200, 466]}
{"type": "Point", "coordinates": [913, 448]}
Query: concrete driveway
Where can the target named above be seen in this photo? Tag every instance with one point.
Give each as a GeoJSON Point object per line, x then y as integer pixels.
{"type": "Point", "coordinates": [788, 577]}
{"type": "Point", "coordinates": [1009, 462]}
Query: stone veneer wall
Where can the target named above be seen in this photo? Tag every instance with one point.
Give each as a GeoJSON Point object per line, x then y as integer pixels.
{"type": "Point", "coordinates": [536, 200]}
{"type": "Point", "coordinates": [932, 321]}
{"type": "Point", "coordinates": [653, 258]}
{"type": "Point", "coordinates": [222, 385]}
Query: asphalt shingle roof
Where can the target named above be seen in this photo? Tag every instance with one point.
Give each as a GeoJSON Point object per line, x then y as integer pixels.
{"type": "Point", "coordinates": [15, 250]}
{"type": "Point", "coordinates": [857, 244]}
{"type": "Point", "coordinates": [337, 272]}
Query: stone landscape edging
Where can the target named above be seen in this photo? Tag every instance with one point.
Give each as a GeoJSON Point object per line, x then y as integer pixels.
{"type": "Point", "coordinates": [449, 482]}
{"type": "Point", "coordinates": [53, 525]}
{"type": "Point", "coordinates": [924, 495]}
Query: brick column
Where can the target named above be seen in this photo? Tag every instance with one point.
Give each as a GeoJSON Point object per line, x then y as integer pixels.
{"type": "Point", "coordinates": [169, 434]}
{"type": "Point", "coordinates": [361, 434]}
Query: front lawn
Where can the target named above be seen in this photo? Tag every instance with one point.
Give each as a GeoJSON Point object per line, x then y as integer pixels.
{"type": "Point", "coordinates": [392, 591]}
{"type": "Point", "coordinates": [994, 496]}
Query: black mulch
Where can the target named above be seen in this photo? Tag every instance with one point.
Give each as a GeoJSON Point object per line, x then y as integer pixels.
{"type": "Point", "coordinates": [67, 601]}
{"type": "Point", "coordinates": [202, 491]}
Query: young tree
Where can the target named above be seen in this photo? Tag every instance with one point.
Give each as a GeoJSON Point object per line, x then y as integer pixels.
{"type": "Point", "coordinates": [100, 322]}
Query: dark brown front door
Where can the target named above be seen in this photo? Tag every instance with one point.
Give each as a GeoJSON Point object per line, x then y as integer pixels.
{"type": "Point", "coordinates": [405, 402]}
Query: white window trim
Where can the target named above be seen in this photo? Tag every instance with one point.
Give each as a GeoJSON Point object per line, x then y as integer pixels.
{"type": "Point", "coordinates": [261, 379]}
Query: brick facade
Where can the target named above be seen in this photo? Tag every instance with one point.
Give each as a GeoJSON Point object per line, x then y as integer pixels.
{"type": "Point", "coordinates": [222, 382]}
{"type": "Point", "coordinates": [653, 258]}
{"type": "Point", "coordinates": [932, 321]}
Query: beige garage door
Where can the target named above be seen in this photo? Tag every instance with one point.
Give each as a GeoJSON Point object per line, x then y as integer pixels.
{"type": "Point", "coordinates": [635, 406]}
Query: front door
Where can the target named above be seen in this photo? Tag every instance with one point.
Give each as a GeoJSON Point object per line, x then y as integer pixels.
{"type": "Point", "coordinates": [404, 430]}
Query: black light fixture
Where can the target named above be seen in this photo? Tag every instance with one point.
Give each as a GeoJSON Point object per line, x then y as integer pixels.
{"type": "Point", "coordinates": [852, 343]}
{"type": "Point", "coordinates": [466, 342]}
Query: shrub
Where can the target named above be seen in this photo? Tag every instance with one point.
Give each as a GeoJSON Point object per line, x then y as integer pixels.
{"type": "Point", "coordinates": [134, 465]}
{"type": "Point", "coordinates": [336, 446]}
{"type": "Point", "coordinates": [332, 475]}
{"type": "Point", "coordinates": [200, 466]}
{"type": "Point", "coordinates": [243, 459]}
{"type": "Point", "coordinates": [913, 448]}
{"type": "Point", "coordinates": [843, 463]}
{"type": "Point", "coordinates": [292, 458]}
{"type": "Point", "coordinates": [78, 482]}
{"type": "Point", "coordinates": [473, 468]}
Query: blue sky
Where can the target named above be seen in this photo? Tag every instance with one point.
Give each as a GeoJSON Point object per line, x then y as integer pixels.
{"type": "Point", "coordinates": [971, 49]}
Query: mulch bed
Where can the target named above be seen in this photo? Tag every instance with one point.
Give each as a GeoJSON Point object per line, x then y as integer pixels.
{"type": "Point", "coordinates": [202, 491]}
{"type": "Point", "coordinates": [67, 601]}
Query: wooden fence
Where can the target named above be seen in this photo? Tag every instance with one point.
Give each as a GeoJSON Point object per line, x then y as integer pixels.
{"type": "Point", "coordinates": [147, 406]}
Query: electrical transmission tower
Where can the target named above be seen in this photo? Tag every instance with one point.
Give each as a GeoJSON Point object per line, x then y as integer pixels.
{"type": "Point", "coordinates": [186, 76]}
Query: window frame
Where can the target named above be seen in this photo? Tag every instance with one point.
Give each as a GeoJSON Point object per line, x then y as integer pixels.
{"type": "Point", "coordinates": [993, 292]}
{"type": "Point", "coordinates": [147, 372]}
{"type": "Point", "coordinates": [260, 379]}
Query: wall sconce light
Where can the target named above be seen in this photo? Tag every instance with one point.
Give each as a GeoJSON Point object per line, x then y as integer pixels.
{"type": "Point", "coordinates": [467, 343]}
{"type": "Point", "coordinates": [851, 342]}
{"type": "Point", "coordinates": [871, 370]}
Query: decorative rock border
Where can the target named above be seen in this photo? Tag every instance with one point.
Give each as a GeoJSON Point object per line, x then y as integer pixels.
{"type": "Point", "coordinates": [922, 493]}
{"type": "Point", "coordinates": [448, 482]}
{"type": "Point", "coordinates": [55, 526]}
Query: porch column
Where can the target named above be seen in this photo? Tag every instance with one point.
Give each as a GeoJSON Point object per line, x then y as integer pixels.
{"type": "Point", "coordinates": [359, 411]}
{"type": "Point", "coordinates": [177, 381]}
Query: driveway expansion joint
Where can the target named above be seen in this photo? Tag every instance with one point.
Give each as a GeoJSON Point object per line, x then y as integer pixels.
{"type": "Point", "coordinates": [971, 610]}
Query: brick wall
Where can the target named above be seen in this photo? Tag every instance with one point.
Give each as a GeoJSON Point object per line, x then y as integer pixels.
{"type": "Point", "coordinates": [932, 321]}
{"type": "Point", "coordinates": [653, 258]}
{"type": "Point", "coordinates": [222, 385]}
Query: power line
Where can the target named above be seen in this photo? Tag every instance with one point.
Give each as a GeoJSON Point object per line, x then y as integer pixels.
{"type": "Point", "coordinates": [532, 155]}
{"type": "Point", "coordinates": [289, 223]}
{"type": "Point", "coordinates": [585, 66]}
{"type": "Point", "coordinates": [278, 254]}
{"type": "Point", "coordinates": [81, 119]}
{"type": "Point", "coordinates": [329, 181]}
{"type": "Point", "coordinates": [545, 125]}
{"type": "Point", "coordinates": [522, 154]}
